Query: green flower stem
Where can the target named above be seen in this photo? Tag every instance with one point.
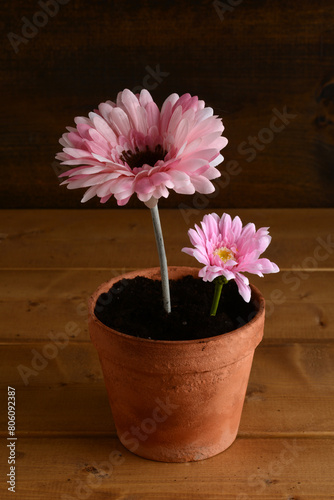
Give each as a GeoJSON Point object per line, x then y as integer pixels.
{"type": "Point", "coordinates": [162, 258]}
{"type": "Point", "coordinates": [219, 282]}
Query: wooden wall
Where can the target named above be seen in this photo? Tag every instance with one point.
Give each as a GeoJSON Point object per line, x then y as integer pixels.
{"type": "Point", "coordinates": [250, 60]}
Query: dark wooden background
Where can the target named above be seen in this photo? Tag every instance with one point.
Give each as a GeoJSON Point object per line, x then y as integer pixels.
{"type": "Point", "coordinates": [244, 58]}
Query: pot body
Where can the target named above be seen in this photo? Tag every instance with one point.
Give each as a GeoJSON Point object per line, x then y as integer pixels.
{"type": "Point", "coordinates": [176, 401]}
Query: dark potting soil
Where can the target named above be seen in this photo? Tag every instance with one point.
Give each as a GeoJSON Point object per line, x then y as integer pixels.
{"type": "Point", "coordinates": [134, 307]}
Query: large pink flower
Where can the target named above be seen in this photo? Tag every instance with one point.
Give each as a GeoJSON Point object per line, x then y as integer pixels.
{"type": "Point", "coordinates": [226, 248]}
{"type": "Point", "coordinates": [132, 147]}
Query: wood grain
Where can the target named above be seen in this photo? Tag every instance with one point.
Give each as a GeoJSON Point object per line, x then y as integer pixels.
{"type": "Point", "coordinates": [284, 379]}
{"type": "Point", "coordinates": [51, 261]}
{"type": "Point", "coordinates": [102, 468]}
{"type": "Point", "coordinates": [254, 58]}
{"type": "Point", "coordinates": [297, 309]}
{"type": "Point", "coordinates": [124, 238]}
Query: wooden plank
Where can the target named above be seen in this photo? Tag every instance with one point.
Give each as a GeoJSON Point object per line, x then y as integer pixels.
{"type": "Point", "coordinates": [122, 238]}
{"type": "Point", "coordinates": [290, 390]}
{"type": "Point", "coordinates": [243, 84]}
{"type": "Point", "coordinates": [64, 469]}
{"type": "Point", "coordinates": [63, 409]}
{"type": "Point", "coordinates": [35, 303]}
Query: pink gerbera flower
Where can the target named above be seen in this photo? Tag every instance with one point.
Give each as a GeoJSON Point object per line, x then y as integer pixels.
{"type": "Point", "coordinates": [228, 249]}
{"type": "Point", "coordinates": [132, 147]}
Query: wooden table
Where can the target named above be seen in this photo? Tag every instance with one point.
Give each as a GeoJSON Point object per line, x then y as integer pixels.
{"type": "Point", "coordinates": [52, 260]}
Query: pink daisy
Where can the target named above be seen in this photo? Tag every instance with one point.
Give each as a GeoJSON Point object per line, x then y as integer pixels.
{"type": "Point", "coordinates": [132, 147]}
{"type": "Point", "coordinates": [228, 249]}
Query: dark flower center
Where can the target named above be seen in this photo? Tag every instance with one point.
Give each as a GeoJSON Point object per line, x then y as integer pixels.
{"type": "Point", "coordinates": [136, 159]}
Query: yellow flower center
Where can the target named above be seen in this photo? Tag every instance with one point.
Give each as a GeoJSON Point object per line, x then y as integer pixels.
{"type": "Point", "coordinates": [224, 254]}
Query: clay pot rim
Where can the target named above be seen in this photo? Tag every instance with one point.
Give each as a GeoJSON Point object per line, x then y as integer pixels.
{"type": "Point", "coordinates": [156, 270]}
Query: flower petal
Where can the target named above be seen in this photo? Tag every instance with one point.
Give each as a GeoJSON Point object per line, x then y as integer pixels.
{"type": "Point", "coordinates": [182, 143]}
{"type": "Point", "coordinates": [243, 287]}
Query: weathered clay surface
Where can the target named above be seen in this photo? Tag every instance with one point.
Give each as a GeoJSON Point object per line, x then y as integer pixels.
{"type": "Point", "coordinates": [176, 401]}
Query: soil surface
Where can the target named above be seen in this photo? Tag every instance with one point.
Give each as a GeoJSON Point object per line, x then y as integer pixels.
{"type": "Point", "coordinates": [134, 307]}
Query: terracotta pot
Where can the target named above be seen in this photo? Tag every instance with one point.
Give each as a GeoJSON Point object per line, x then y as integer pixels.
{"type": "Point", "coordinates": [176, 401]}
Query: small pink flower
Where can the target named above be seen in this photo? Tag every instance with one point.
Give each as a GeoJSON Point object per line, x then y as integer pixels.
{"type": "Point", "coordinates": [132, 147]}
{"type": "Point", "coordinates": [228, 249]}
